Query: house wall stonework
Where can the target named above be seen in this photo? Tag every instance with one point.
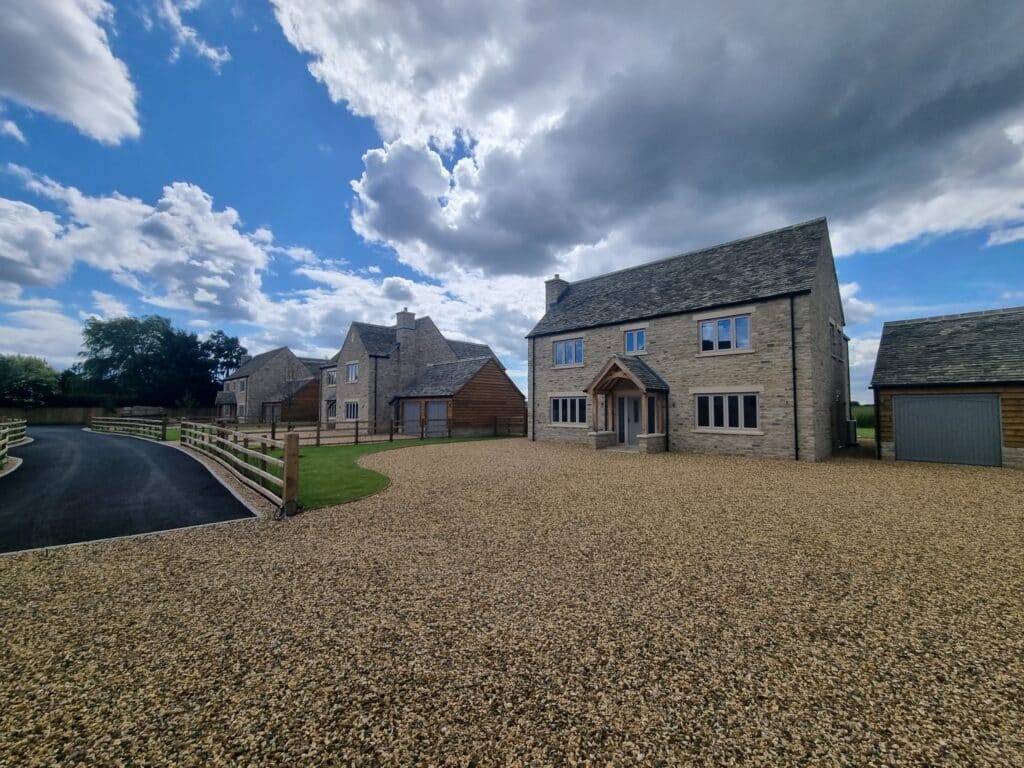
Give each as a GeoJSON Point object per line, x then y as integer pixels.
{"type": "Point", "coordinates": [673, 351]}
{"type": "Point", "coordinates": [353, 351]}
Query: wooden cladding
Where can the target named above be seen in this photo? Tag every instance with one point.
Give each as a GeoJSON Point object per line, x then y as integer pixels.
{"type": "Point", "coordinates": [1011, 398]}
{"type": "Point", "coordinates": [489, 395]}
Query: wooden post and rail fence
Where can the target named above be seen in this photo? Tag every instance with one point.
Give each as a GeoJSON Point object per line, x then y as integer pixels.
{"type": "Point", "coordinates": [268, 466]}
{"type": "Point", "coordinates": [12, 433]}
{"type": "Point", "coordinates": [154, 429]}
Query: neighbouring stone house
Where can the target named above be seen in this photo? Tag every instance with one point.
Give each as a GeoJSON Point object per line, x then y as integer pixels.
{"type": "Point", "coordinates": [736, 349]}
{"type": "Point", "coordinates": [951, 389]}
{"type": "Point", "coordinates": [271, 387]}
{"type": "Point", "coordinates": [411, 374]}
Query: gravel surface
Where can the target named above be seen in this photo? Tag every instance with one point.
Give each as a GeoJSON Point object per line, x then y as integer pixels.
{"type": "Point", "coordinates": [514, 603]}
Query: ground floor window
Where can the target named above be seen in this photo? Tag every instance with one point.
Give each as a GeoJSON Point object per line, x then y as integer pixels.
{"type": "Point", "coordinates": [332, 409]}
{"type": "Point", "coordinates": [351, 411]}
{"type": "Point", "coordinates": [739, 411]}
{"type": "Point", "coordinates": [241, 411]}
{"type": "Point", "coordinates": [568, 410]}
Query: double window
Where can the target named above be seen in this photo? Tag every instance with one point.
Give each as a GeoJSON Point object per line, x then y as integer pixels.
{"type": "Point", "coordinates": [725, 333]}
{"type": "Point", "coordinates": [351, 410]}
{"type": "Point", "coordinates": [569, 352]}
{"type": "Point", "coordinates": [332, 409]}
{"type": "Point", "coordinates": [739, 411]}
{"type": "Point", "coordinates": [568, 410]}
{"type": "Point", "coordinates": [352, 372]}
{"type": "Point", "coordinates": [332, 377]}
{"type": "Point", "coordinates": [636, 341]}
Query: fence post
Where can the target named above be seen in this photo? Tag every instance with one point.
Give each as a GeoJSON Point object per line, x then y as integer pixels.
{"type": "Point", "coordinates": [163, 429]}
{"type": "Point", "coordinates": [357, 431]}
{"type": "Point", "coordinates": [318, 433]}
{"type": "Point", "coordinates": [391, 430]}
{"type": "Point", "coordinates": [495, 426]}
{"type": "Point", "coordinates": [263, 451]}
{"type": "Point", "coordinates": [290, 494]}
{"type": "Point", "coordinates": [273, 430]}
{"type": "Point", "coordinates": [423, 428]}
{"type": "Point", "coordinates": [449, 427]}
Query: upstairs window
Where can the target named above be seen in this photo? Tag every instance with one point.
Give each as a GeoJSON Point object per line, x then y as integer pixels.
{"type": "Point", "coordinates": [636, 341]}
{"type": "Point", "coordinates": [241, 385]}
{"type": "Point", "coordinates": [725, 334]}
{"type": "Point", "coordinates": [569, 352]}
{"type": "Point", "coordinates": [332, 378]}
{"type": "Point", "coordinates": [352, 372]}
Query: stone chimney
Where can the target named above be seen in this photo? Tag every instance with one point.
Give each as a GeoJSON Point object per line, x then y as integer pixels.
{"type": "Point", "coordinates": [405, 320]}
{"type": "Point", "coordinates": [553, 290]}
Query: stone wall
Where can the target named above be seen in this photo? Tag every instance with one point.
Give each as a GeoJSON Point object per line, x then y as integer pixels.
{"type": "Point", "coordinates": [673, 350]}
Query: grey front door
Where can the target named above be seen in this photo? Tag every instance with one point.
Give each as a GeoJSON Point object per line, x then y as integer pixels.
{"type": "Point", "coordinates": [411, 415]}
{"type": "Point", "coordinates": [629, 420]}
{"type": "Point", "coordinates": [958, 429]}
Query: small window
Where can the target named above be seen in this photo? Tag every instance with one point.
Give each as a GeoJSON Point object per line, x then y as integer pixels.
{"type": "Point", "coordinates": [332, 378]}
{"type": "Point", "coordinates": [242, 385]}
{"type": "Point", "coordinates": [352, 372]}
{"type": "Point", "coordinates": [568, 410]}
{"type": "Point", "coordinates": [332, 409]}
{"type": "Point", "coordinates": [727, 412]}
{"type": "Point", "coordinates": [636, 341]}
{"type": "Point", "coordinates": [724, 334]}
{"type": "Point", "coordinates": [351, 411]}
{"type": "Point", "coordinates": [241, 411]}
{"type": "Point", "coordinates": [569, 352]}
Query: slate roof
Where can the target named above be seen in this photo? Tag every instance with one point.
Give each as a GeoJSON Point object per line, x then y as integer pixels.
{"type": "Point", "coordinates": [465, 350]}
{"type": "Point", "coordinates": [378, 339]}
{"type": "Point", "coordinates": [314, 364]}
{"type": "Point", "coordinates": [777, 263]}
{"type": "Point", "coordinates": [972, 348]}
{"type": "Point", "coordinates": [226, 398]}
{"type": "Point", "coordinates": [647, 375]}
{"type": "Point", "coordinates": [445, 379]}
{"type": "Point", "coordinates": [250, 367]}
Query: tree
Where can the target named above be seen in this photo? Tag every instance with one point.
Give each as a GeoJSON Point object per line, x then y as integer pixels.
{"type": "Point", "coordinates": [26, 381]}
{"type": "Point", "coordinates": [224, 352]}
{"type": "Point", "coordinates": [147, 361]}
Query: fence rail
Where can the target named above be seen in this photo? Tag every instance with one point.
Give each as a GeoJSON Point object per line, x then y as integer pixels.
{"type": "Point", "coordinates": [361, 432]}
{"type": "Point", "coordinates": [154, 429]}
{"type": "Point", "coordinates": [12, 432]}
{"type": "Point", "coordinates": [250, 459]}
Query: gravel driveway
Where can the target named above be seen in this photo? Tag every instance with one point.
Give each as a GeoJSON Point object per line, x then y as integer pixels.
{"type": "Point", "coordinates": [516, 603]}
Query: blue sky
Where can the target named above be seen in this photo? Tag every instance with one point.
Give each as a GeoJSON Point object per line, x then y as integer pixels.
{"type": "Point", "coordinates": [280, 169]}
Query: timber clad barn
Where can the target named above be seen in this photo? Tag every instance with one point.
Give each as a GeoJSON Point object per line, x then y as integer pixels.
{"type": "Point", "coordinates": [951, 389]}
{"type": "Point", "coordinates": [738, 348]}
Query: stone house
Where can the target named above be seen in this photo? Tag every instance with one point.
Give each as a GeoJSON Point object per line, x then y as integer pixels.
{"type": "Point", "coordinates": [271, 387]}
{"type": "Point", "coordinates": [410, 373]}
{"type": "Point", "coordinates": [951, 389]}
{"type": "Point", "coordinates": [735, 349]}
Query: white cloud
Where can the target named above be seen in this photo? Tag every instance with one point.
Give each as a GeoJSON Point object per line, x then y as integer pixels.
{"type": "Point", "coordinates": [187, 37]}
{"type": "Point", "coordinates": [42, 333]}
{"type": "Point", "coordinates": [664, 127]}
{"type": "Point", "coordinates": [55, 57]}
{"type": "Point", "coordinates": [863, 352]}
{"type": "Point", "coordinates": [855, 309]}
{"type": "Point", "coordinates": [10, 128]}
{"type": "Point", "coordinates": [109, 306]}
{"type": "Point", "coordinates": [1005, 236]}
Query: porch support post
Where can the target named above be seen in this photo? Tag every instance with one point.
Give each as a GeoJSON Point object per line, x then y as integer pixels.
{"type": "Point", "coordinates": [596, 427]}
{"type": "Point", "coordinates": [644, 426]}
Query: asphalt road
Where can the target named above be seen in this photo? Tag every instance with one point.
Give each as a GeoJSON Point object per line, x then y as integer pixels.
{"type": "Point", "coordinates": [79, 486]}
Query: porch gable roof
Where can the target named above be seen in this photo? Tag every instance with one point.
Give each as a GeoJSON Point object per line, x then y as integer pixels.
{"type": "Point", "coordinates": [632, 369]}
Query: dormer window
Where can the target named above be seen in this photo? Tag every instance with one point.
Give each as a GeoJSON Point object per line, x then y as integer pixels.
{"type": "Point", "coordinates": [636, 341]}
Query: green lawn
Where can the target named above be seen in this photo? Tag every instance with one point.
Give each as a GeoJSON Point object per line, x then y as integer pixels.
{"type": "Point", "coordinates": [329, 474]}
{"type": "Point", "coordinates": [865, 433]}
{"type": "Point", "coordinates": [174, 433]}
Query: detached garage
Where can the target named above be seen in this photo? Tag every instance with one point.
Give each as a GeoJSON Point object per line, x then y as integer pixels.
{"type": "Point", "coordinates": [951, 389]}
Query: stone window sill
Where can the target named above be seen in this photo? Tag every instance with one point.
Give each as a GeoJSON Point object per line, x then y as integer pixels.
{"type": "Point", "coordinates": [568, 426]}
{"type": "Point", "coordinates": [724, 431]}
{"type": "Point", "coordinates": [726, 352]}
{"type": "Point", "coordinates": [574, 365]}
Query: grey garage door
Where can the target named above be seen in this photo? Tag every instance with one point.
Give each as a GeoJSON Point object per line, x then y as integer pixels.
{"type": "Point", "coordinates": [960, 429]}
{"type": "Point", "coordinates": [411, 412]}
{"type": "Point", "coordinates": [437, 419]}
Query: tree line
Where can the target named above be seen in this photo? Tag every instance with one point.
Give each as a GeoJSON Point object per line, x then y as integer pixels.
{"type": "Point", "coordinates": [126, 361]}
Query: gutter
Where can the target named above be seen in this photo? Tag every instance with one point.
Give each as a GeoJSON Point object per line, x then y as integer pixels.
{"type": "Point", "coordinates": [792, 352]}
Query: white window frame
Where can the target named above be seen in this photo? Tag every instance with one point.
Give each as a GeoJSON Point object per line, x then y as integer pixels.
{"type": "Point", "coordinates": [742, 428]}
{"type": "Point", "coordinates": [562, 407]}
{"type": "Point", "coordinates": [716, 341]}
{"type": "Point", "coordinates": [332, 377]}
{"type": "Point", "coordinates": [575, 345]}
{"type": "Point", "coordinates": [352, 372]}
{"type": "Point", "coordinates": [354, 410]}
{"type": "Point", "coordinates": [639, 339]}
{"type": "Point", "coordinates": [332, 409]}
